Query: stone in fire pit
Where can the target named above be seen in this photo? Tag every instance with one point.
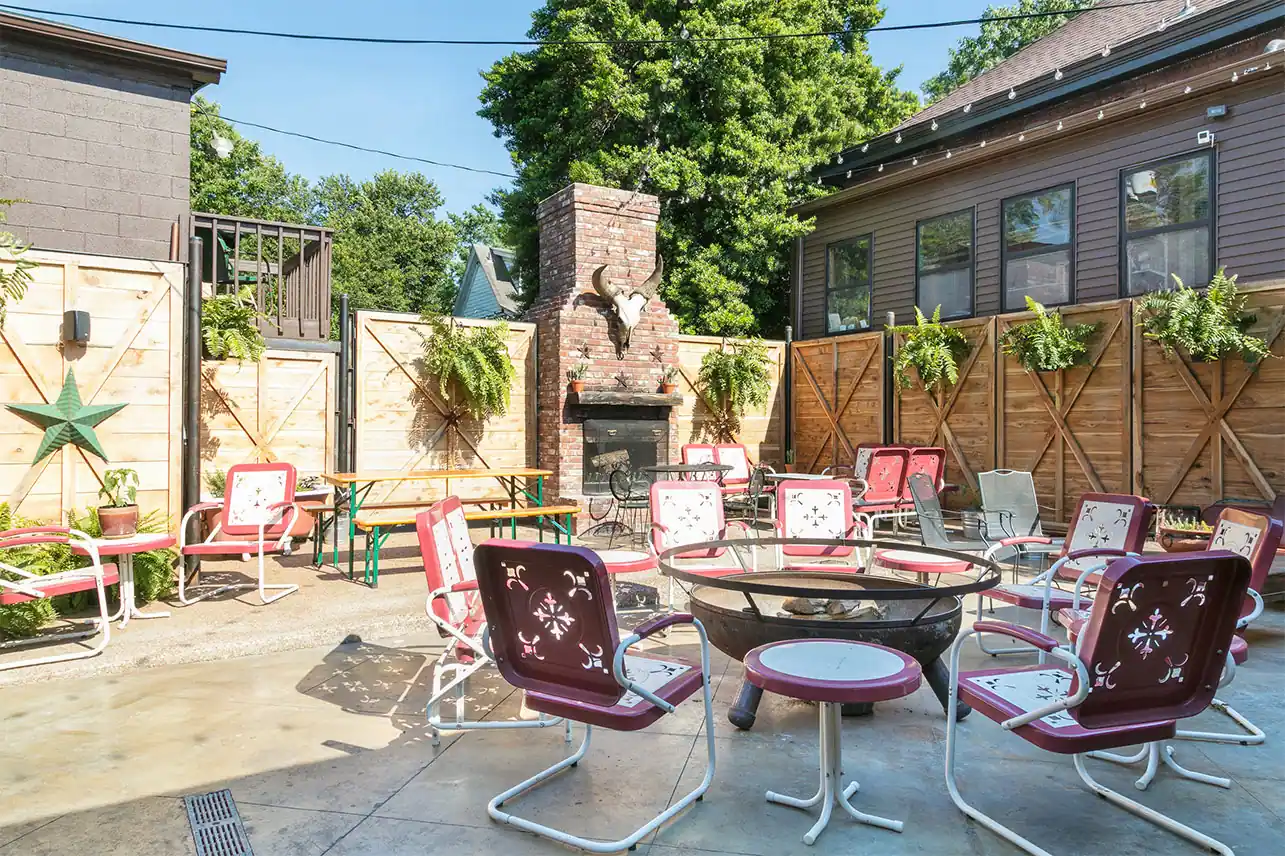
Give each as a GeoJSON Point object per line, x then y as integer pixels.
{"type": "Point", "coordinates": [854, 609]}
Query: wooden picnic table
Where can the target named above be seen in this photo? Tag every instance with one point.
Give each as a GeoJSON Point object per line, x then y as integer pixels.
{"type": "Point", "coordinates": [358, 485]}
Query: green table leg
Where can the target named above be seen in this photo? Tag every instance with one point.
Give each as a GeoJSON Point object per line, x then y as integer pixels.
{"type": "Point", "coordinates": [354, 505]}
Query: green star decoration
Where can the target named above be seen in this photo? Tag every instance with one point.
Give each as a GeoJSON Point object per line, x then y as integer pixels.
{"type": "Point", "coordinates": [67, 420]}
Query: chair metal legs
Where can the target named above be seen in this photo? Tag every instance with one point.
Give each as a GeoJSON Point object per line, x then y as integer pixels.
{"type": "Point", "coordinates": [1155, 754]}
{"type": "Point", "coordinates": [459, 674]}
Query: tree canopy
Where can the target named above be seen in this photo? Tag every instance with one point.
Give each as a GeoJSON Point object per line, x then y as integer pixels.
{"type": "Point", "coordinates": [723, 132]}
{"type": "Point", "coordinates": [998, 41]}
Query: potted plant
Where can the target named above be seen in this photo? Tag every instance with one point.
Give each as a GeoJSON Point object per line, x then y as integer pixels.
{"type": "Point", "coordinates": [669, 381]}
{"type": "Point", "coordinates": [230, 326]}
{"type": "Point", "coordinates": [1205, 325]}
{"type": "Point", "coordinates": [932, 349]}
{"type": "Point", "coordinates": [1045, 344]}
{"type": "Point", "coordinates": [472, 366]}
{"type": "Point", "coordinates": [575, 376]}
{"type": "Point", "coordinates": [734, 377]}
{"type": "Point", "coordinates": [1179, 532]}
{"type": "Point", "coordinates": [119, 517]}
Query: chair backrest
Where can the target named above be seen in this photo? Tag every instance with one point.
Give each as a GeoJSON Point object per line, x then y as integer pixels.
{"type": "Point", "coordinates": [1157, 639]}
{"type": "Point", "coordinates": [250, 492]}
{"type": "Point", "coordinates": [886, 474]}
{"type": "Point", "coordinates": [1254, 536]}
{"type": "Point", "coordinates": [932, 524]}
{"type": "Point", "coordinates": [861, 462]}
{"type": "Point", "coordinates": [736, 456]}
{"type": "Point", "coordinates": [1010, 508]}
{"type": "Point", "coordinates": [926, 459]}
{"type": "Point", "coordinates": [1116, 521]}
{"type": "Point", "coordinates": [814, 508]}
{"type": "Point", "coordinates": [701, 453]}
{"type": "Point", "coordinates": [691, 511]}
{"type": "Point", "coordinates": [553, 625]}
{"type": "Point", "coordinates": [447, 552]}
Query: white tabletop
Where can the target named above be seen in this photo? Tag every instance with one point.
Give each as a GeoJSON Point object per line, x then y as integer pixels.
{"type": "Point", "coordinates": [797, 476]}
{"type": "Point", "coordinates": [831, 660]}
{"type": "Point", "coordinates": [916, 556]}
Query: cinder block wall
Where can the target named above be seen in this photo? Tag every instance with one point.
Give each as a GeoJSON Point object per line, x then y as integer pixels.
{"type": "Point", "coordinates": [99, 150]}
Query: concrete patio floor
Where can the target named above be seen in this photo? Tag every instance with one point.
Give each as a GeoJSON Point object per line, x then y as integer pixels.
{"type": "Point", "coordinates": [325, 750]}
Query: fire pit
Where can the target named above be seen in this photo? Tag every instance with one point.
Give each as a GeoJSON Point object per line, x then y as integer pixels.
{"type": "Point", "coordinates": [743, 611]}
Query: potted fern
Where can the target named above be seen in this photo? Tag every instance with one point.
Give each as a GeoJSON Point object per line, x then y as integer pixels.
{"type": "Point", "coordinates": [735, 377]}
{"type": "Point", "coordinates": [932, 349]}
{"type": "Point", "coordinates": [230, 326]}
{"type": "Point", "coordinates": [472, 366]}
{"type": "Point", "coordinates": [1205, 325]}
{"type": "Point", "coordinates": [119, 517]}
{"type": "Point", "coordinates": [575, 376]}
{"type": "Point", "coordinates": [1046, 344]}
{"type": "Point", "coordinates": [669, 380]}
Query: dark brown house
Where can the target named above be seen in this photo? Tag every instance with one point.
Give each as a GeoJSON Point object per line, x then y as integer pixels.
{"type": "Point", "coordinates": [1131, 144]}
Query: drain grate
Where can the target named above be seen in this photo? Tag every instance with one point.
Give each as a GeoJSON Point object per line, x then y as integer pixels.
{"type": "Point", "coordinates": [216, 825]}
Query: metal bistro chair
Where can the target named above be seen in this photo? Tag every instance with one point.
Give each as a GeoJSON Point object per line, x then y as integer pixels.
{"type": "Point", "coordinates": [1010, 509]}
{"type": "Point", "coordinates": [630, 495]}
{"type": "Point", "coordinates": [749, 501]}
{"type": "Point", "coordinates": [1150, 655]}
{"type": "Point", "coordinates": [554, 636]}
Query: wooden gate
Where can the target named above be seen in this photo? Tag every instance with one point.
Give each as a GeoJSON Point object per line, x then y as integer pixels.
{"type": "Point", "coordinates": [133, 357]}
{"type": "Point", "coordinates": [403, 423]}
{"type": "Point", "coordinates": [961, 419]}
{"type": "Point", "coordinates": [761, 429]}
{"type": "Point", "coordinates": [1070, 428]}
{"type": "Point", "coordinates": [838, 398]}
{"type": "Point", "coordinates": [1205, 431]}
{"type": "Point", "coordinates": [279, 409]}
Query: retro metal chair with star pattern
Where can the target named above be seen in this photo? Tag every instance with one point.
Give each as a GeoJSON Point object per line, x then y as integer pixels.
{"type": "Point", "coordinates": [1150, 654]}
{"type": "Point", "coordinates": [553, 634]}
{"type": "Point", "coordinates": [816, 508]}
{"type": "Point", "coordinates": [691, 512]}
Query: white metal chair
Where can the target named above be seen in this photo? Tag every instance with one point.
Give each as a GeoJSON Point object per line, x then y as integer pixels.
{"type": "Point", "coordinates": [20, 586]}
{"type": "Point", "coordinates": [816, 508]}
{"type": "Point", "coordinates": [258, 512]}
{"type": "Point", "coordinates": [691, 512]}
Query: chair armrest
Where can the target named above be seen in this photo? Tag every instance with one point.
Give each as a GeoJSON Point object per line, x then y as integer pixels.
{"type": "Point", "coordinates": [1026, 634]}
{"type": "Point", "coordinates": [1013, 542]}
{"type": "Point", "coordinates": [1242, 623]}
{"type": "Point", "coordinates": [740, 524]}
{"type": "Point", "coordinates": [653, 626]}
{"type": "Point", "coordinates": [859, 487]}
{"type": "Point", "coordinates": [659, 538]}
{"type": "Point", "coordinates": [1096, 551]}
{"type": "Point", "coordinates": [206, 506]}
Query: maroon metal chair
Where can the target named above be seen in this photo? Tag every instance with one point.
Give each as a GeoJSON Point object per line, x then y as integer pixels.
{"type": "Point", "coordinates": [553, 634]}
{"type": "Point", "coordinates": [1156, 641]}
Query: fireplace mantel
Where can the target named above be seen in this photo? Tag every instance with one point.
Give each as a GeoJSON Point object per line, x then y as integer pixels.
{"type": "Point", "coordinates": [626, 398]}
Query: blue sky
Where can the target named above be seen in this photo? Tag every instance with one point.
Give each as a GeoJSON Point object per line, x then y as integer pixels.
{"type": "Point", "coordinates": [416, 100]}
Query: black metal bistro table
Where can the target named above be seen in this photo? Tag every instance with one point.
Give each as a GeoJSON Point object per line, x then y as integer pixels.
{"type": "Point", "coordinates": [688, 471]}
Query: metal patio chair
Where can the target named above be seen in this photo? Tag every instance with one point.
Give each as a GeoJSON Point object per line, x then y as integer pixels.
{"type": "Point", "coordinates": [701, 453]}
{"type": "Point", "coordinates": [630, 495]}
{"type": "Point", "coordinates": [455, 608]}
{"type": "Point", "coordinates": [1010, 509]}
{"type": "Point", "coordinates": [1150, 655]}
{"type": "Point", "coordinates": [816, 508]}
{"type": "Point", "coordinates": [737, 480]}
{"type": "Point", "coordinates": [258, 511]}
{"type": "Point", "coordinates": [691, 512]}
{"type": "Point", "coordinates": [555, 637]}
{"type": "Point", "coordinates": [878, 493]}
{"type": "Point", "coordinates": [21, 586]}
{"type": "Point", "coordinates": [749, 502]}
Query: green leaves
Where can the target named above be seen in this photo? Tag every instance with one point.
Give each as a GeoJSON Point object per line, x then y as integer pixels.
{"type": "Point", "coordinates": [230, 326]}
{"type": "Point", "coordinates": [1046, 344]}
{"type": "Point", "coordinates": [15, 271]}
{"type": "Point", "coordinates": [932, 349]}
{"type": "Point", "coordinates": [1205, 325]}
{"type": "Point", "coordinates": [736, 377]}
{"type": "Point", "coordinates": [723, 132]}
{"type": "Point", "coordinates": [473, 360]}
{"type": "Point", "coordinates": [120, 487]}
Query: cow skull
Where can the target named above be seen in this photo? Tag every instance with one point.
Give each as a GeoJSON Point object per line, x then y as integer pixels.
{"type": "Point", "coordinates": [629, 302]}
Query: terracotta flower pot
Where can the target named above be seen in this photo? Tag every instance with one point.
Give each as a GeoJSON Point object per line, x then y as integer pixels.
{"type": "Point", "coordinates": [1175, 540]}
{"type": "Point", "coordinates": [668, 388]}
{"type": "Point", "coordinates": [118, 522]}
{"type": "Point", "coordinates": [302, 526]}
{"type": "Point", "coordinates": [577, 386]}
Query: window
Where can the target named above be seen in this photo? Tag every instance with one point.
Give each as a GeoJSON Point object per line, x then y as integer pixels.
{"type": "Point", "coordinates": [944, 270]}
{"type": "Point", "coordinates": [847, 286]}
{"type": "Point", "coordinates": [1038, 248]}
{"type": "Point", "coordinates": [1167, 223]}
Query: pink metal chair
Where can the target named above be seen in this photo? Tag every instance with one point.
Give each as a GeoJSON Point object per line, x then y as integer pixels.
{"type": "Point", "coordinates": [554, 636]}
{"type": "Point", "coordinates": [879, 492]}
{"type": "Point", "coordinates": [1150, 655]}
{"type": "Point", "coordinates": [930, 460]}
{"type": "Point", "coordinates": [691, 512]}
{"type": "Point", "coordinates": [1104, 526]}
{"type": "Point", "coordinates": [20, 586]}
{"type": "Point", "coordinates": [455, 608]}
{"type": "Point", "coordinates": [258, 511]}
{"type": "Point", "coordinates": [816, 509]}
{"type": "Point", "coordinates": [701, 453]}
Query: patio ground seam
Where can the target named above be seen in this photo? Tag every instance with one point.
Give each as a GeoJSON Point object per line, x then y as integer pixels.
{"type": "Point", "coordinates": [16, 839]}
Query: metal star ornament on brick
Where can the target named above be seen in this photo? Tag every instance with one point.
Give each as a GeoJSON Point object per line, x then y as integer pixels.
{"type": "Point", "coordinates": [67, 420]}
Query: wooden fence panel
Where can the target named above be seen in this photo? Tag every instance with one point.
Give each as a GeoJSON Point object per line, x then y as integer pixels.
{"type": "Point", "coordinates": [404, 424]}
{"type": "Point", "coordinates": [1070, 428]}
{"type": "Point", "coordinates": [960, 419]}
{"type": "Point", "coordinates": [762, 429]}
{"type": "Point", "coordinates": [838, 398]}
{"type": "Point", "coordinates": [134, 356]}
{"type": "Point", "coordinates": [279, 409]}
{"type": "Point", "coordinates": [1205, 431]}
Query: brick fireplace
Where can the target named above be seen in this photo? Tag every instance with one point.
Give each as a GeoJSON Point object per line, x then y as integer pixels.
{"type": "Point", "coordinates": [582, 227]}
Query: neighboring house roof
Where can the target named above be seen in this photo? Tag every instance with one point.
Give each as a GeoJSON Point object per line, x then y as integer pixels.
{"type": "Point", "coordinates": [488, 267]}
{"type": "Point", "coordinates": [202, 69]}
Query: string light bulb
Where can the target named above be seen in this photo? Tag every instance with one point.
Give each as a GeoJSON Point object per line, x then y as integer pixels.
{"type": "Point", "coordinates": [1234, 77]}
{"type": "Point", "coordinates": [982, 145]}
{"type": "Point", "coordinates": [947, 154]}
{"type": "Point", "coordinates": [1142, 105]}
{"type": "Point", "coordinates": [880, 167]}
{"type": "Point", "coordinates": [1057, 75]}
{"type": "Point", "coordinates": [849, 174]}
{"type": "Point", "coordinates": [968, 108]}
{"type": "Point", "coordinates": [914, 161]}
{"type": "Point", "coordinates": [866, 147]}
{"type": "Point", "coordinates": [934, 125]}
{"type": "Point", "coordinates": [1059, 124]}
{"type": "Point", "coordinates": [1021, 137]}
{"type": "Point", "coordinates": [1012, 93]}
{"type": "Point", "coordinates": [1187, 91]}
{"type": "Point", "coordinates": [1106, 50]}
{"type": "Point", "coordinates": [897, 139]}
{"type": "Point", "coordinates": [839, 159]}
{"type": "Point", "coordinates": [1101, 115]}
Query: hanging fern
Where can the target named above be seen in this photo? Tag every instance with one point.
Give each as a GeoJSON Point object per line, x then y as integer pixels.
{"type": "Point", "coordinates": [473, 360]}
{"type": "Point", "coordinates": [735, 376]}
{"type": "Point", "coordinates": [14, 275]}
{"type": "Point", "coordinates": [1045, 344]}
{"type": "Point", "coordinates": [230, 326]}
{"type": "Point", "coordinates": [1205, 325]}
{"type": "Point", "coordinates": [932, 349]}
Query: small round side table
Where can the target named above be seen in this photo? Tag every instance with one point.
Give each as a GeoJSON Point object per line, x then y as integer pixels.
{"type": "Point", "coordinates": [125, 548]}
{"type": "Point", "coordinates": [627, 561]}
{"type": "Point", "coordinates": [922, 564]}
{"type": "Point", "coordinates": [832, 672]}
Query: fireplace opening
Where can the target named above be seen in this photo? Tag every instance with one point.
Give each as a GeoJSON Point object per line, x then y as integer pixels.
{"type": "Point", "coordinates": [645, 440]}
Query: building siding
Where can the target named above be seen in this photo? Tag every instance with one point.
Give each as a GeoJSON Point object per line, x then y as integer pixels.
{"type": "Point", "coordinates": [479, 299]}
{"type": "Point", "coordinates": [1250, 206]}
{"type": "Point", "coordinates": [98, 151]}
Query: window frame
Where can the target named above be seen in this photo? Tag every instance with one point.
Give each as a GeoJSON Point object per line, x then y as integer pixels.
{"type": "Point", "coordinates": [1005, 255]}
{"type": "Point", "coordinates": [971, 266]}
{"type": "Point", "coordinates": [1209, 222]}
{"type": "Point", "coordinates": [869, 238]}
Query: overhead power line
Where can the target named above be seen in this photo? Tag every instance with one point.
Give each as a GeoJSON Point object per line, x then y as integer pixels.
{"type": "Point", "coordinates": [684, 39]}
{"type": "Point", "coordinates": [354, 146]}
